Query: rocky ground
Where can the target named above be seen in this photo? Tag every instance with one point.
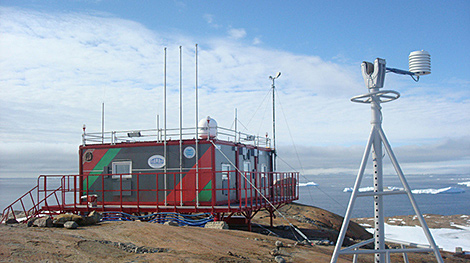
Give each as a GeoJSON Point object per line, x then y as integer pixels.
{"type": "Point", "coordinates": [147, 242]}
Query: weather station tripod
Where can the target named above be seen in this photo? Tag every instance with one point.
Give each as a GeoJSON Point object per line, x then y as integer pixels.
{"type": "Point", "coordinates": [374, 76]}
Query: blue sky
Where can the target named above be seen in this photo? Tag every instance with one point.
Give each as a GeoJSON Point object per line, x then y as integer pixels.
{"type": "Point", "coordinates": [60, 59]}
{"type": "Point", "coordinates": [348, 30]}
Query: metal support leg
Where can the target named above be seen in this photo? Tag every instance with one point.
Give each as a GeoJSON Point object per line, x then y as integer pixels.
{"type": "Point", "coordinates": [357, 184]}
{"type": "Point", "coordinates": [410, 196]}
{"type": "Point", "coordinates": [405, 256]}
{"type": "Point", "coordinates": [379, 231]}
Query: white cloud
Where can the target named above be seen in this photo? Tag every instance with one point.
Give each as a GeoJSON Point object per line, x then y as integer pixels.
{"type": "Point", "coordinates": [237, 33]}
{"type": "Point", "coordinates": [58, 68]}
{"type": "Point", "coordinates": [210, 19]}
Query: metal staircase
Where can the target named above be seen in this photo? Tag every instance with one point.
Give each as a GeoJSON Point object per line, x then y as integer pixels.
{"type": "Point", "coordinates": [37, 201]}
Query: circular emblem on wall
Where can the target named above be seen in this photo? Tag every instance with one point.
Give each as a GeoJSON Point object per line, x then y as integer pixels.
{"type": "Point", "coordinates": [156, 161]}
{"type": "Point", "coordinates": [189, 152]}
{"type": "Point", "coordinates": [88, 156]}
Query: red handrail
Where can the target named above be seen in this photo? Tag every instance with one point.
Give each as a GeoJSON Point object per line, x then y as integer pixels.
{"type": "Point", "coordinates": [36, 209]}
{"type": "Point", "coordinates": [8, 209]}
{"type": "Point", "coordinates": [277, 187]}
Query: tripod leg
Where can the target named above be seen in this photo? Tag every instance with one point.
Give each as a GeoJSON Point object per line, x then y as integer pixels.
{"type": "Point", "coordinates": [410, 195]}
{"type": "Point", "coordinates": [357, 184]}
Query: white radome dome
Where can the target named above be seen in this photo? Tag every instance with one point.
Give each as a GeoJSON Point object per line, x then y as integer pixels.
{"type": "Point", "coordinates": [207, 128]}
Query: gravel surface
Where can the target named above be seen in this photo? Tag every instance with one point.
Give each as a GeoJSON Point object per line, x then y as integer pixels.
{"type": "Point", "coordinates": [148, 242]}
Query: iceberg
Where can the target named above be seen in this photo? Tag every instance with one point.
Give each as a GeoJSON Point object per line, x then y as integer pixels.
{"type": "Point", "coordinates": [447, 190]}
{"type": "Point", "coordinates": [370, 189]}
{"type": "Point", "coordinates": [467, 184]}
{"type": "Point", "coordinates": [308, 184]}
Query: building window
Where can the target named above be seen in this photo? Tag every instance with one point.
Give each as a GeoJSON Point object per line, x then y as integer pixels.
{"type": "Point", "coordinates": [123, 168]}
{"type": "Point", "coordinates": [225, 175]}
{"type": "Point", "coordinates": [246, 166]}
{"type": "Point", "coordinates": [248, 171]}
{"type": "Point", "coordinates": [264, 170]}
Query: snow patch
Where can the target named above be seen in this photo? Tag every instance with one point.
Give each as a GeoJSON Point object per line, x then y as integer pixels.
{"type": "Point", "coordinates": [446, 238]}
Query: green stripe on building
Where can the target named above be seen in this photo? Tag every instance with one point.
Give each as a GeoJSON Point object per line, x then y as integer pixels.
{"type": "Point", "coordinates": [206, 193]}
{"type": "Point", "coordinates": [98, 169]}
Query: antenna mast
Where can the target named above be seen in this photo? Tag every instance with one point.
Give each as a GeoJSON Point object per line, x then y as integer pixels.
{"type": "Point", "coordinates": [197, 138]}
{"type": "Point", "coordinates": [181, 126]}
{"type": "Point", "coordinates": [102, 122]}
{"type": "Point", "coordinates": [164, 122]}
{"type": "Point", "coordinates": [274, 118]}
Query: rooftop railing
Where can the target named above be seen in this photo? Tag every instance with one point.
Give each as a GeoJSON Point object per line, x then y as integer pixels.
{"type": "Point", "coordinates": [159, 135]}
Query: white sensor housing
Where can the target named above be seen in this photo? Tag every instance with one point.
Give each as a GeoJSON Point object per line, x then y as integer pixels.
{"type": "Point", "coordinates": [420, 63]}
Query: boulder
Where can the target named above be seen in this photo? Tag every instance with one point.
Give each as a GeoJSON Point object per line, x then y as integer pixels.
{"type": "Point", "coordinates": [61, 219]}
{"type": "Point", "coordinates": [171, 223]}
{"type": "Point", "coordinates": [43, 222]}
{"type": "Point", "coordinates": [279, 244]}
{"type": "Point", "coordinates": [217, 225]}
{"type": "Point", "coordinates": [279, 259]}
{"type": "Point", "coordinates": [11, 221]}
{"type": "Point", "coordinates": [70, 225]}
{"type": "Point", "coordinates": [93, 218]}
{"type": "Point", "coordinates": [31, 221]}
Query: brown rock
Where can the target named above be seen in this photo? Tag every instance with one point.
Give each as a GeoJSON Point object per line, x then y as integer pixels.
{"type": "Point", "coordinates": [61, 219]}
{"type": "Point", "coordinates": [43, 222]}
{"type": "Point", "coordinates": [93, 218]}
{"type": "Point", "coordinates": [31, 221]}
{"type": "Point", "coordinates": [11, 221]}
{"type": "Point", "coordinates": [71, 225]}
{"type": "Point", "coordinates": [217, 225]}
{"type": "Point", "coordinates": [170, 223]}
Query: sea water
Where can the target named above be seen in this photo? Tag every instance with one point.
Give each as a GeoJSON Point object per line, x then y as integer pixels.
{"type": "Point", "coordinates": [434, 194]}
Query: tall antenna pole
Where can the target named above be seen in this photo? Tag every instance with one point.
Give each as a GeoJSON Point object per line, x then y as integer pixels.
{"type": "Point", "coordinates": [102, 122]}
{"type": "Point", "coordinates": [197, 140]}
{"type": "Point", "coordinates": [236, 120]}
{"type": "Point", "coordinates": [274, 126]}
{"type": "Point", "coordinates": [274, 118]}
{"type": "Point", "coordinates": [181, 127]}
{"type": "Point", "coordinates": [159, 137]}
{"type": "Point", "coordinates": [164, 122]}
